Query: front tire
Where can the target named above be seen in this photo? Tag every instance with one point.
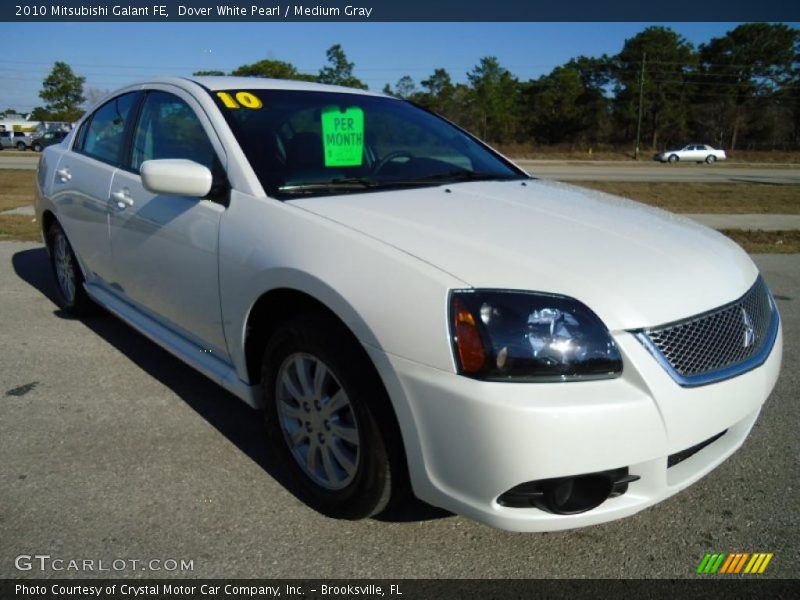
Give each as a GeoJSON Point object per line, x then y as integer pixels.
{"type": "Point", "coordinates": [711, 159]}
{"type": "Point", "coordinates": [325, 410]}
{"type": "Point", "coordinates": [70, 294]}
{"type": "Point", "coordinates": [21, 146]}
{"type": "Point", "coordinates": [37, 148]}
{"type": "Point", "coordinates": [673, 158]}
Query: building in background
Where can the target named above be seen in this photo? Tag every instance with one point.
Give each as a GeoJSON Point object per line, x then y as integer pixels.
{"type": "Point", "coordinates": [18, 122]}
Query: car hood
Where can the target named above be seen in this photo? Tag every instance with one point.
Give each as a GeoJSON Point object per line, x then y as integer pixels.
{"type": "Point", "coordinates": [634, 265]}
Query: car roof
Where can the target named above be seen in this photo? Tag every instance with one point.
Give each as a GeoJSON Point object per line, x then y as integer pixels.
{"type": "Point", "coordinates": [260, 83]}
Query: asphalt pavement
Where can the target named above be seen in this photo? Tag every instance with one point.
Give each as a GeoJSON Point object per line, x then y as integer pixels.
{"type": "Point", "coordinates": [577, 171]}
{"type": "Point", "coordinates": [595, 170]}
{"type": "Point", "coordinates": [657, 172]}
{"type": "Point", "coordinates": [19, 160]}
{"type": "Point", "coordinates": [113, 449]}
{"type": "Point", "coordinates": [759, 221]}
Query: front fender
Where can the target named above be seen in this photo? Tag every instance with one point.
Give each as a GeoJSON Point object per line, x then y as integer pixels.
{"type": "Point", "coordinates": [390, 300]}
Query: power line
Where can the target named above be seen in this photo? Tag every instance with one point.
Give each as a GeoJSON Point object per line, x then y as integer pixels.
{"type": "Point", "coordinates": [635, 64]}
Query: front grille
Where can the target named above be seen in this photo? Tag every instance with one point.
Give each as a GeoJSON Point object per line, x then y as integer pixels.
{"type": "Point", "coordinates": [716, 342]}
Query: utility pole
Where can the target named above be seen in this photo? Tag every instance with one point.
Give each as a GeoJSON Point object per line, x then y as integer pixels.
{"type": "Point", "coordinates": [641, 93]}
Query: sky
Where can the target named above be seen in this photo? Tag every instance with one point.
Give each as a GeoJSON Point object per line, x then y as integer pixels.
{"type": "Point", "coordinates": [111, 55]}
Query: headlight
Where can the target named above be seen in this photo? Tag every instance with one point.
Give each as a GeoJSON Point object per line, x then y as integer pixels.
{"type": "Point", "coordinates": [524, 336]}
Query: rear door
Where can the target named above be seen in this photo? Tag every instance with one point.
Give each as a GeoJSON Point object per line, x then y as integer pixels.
{"type": "Point", "coordinates": [165, 247]}
{"type": "Point", "coordinates": [83, 180]}
{"type": "Point", "coordinates": [696, 152]}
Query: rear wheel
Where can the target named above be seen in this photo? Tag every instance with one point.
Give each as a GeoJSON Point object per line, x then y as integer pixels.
{"type": "Point", "coordinates": [69, 280]}
{"type": "Point", "coordinates": [325, 412]}
{"type": "Point", "coordinates": [711, 159]}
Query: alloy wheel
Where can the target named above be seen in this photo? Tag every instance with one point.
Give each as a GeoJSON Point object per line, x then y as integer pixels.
{"type": "Point", "coordinates": [65, 272]}
{"type": "Point", "coordinates": [318, 421]}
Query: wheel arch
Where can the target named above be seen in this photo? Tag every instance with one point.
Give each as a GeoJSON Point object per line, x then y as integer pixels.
{"type": "Point", "coordinates": [48, 218]}
{"type": "Point", "coordinates": [268, 312]}
{"type": "Point", "coordinates": [277, 306]}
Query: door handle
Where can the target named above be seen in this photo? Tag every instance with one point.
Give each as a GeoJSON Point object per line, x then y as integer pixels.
{"type": "Point", "coordinates": [64, 175]}
{"type": "Point", "coordinates": [122, 198]}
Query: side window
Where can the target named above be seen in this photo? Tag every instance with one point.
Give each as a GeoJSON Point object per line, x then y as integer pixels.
{"type": "Point", "coordinates": [105, 131]}
{"type": "Point", "coordinates": [77, 145]}
{"type": "Point", "coordinates": [169, 128]}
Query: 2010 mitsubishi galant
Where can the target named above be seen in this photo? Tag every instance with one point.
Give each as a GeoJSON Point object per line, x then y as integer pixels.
{"type": "Point", "coordinates": [408, 306]}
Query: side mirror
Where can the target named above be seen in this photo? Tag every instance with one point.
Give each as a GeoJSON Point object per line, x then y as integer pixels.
{"type": "Point", "coordinates": [176, 177]}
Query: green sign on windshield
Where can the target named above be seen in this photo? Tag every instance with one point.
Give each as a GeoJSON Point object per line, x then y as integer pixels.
{"type": "Point", "coordinates": [343, 136]}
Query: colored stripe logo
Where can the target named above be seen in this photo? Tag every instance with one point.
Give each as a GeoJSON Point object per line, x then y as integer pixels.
{"type": "Point", "coordinates": [734, 563]}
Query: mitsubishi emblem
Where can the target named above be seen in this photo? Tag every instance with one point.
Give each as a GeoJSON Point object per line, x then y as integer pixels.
{"type": "Point", "coordinates": [749, 332]}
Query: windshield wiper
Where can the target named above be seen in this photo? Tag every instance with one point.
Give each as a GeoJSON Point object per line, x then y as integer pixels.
{"type": "Point", "coordinates": [315, 186]}
{"type": "Point", "coordinates": [361, 183]}
{"type": "Point", "coordinates": [458, 176]}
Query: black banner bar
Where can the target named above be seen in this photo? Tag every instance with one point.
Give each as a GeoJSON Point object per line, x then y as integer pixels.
{"type": "Point", "coordinates": [391, 10]}
{"type": "Point", "coordinates": [716, 586]}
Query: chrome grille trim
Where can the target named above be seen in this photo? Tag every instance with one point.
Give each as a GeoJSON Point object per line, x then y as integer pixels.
{"type": "Point", "coordinates": [712, 346]}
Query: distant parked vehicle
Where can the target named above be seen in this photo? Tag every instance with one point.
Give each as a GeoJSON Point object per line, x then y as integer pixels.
{"type": "Point", "coordinates": [696, 152]}
{"type": "Point", "coordinates": [21, 140]}
{"type": "Point", "coordinates": [48, 139]}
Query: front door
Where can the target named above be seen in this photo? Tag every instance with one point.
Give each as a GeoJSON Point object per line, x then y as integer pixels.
{"type": "Point", "coordinates": [165, 247]}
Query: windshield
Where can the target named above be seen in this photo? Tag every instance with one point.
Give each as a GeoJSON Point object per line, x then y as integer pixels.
{"type": "Point", "coordinates": [304, 143]}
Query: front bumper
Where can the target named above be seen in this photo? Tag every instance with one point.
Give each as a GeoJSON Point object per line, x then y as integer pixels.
{"type": "Point", "coordinates": [469, 441]}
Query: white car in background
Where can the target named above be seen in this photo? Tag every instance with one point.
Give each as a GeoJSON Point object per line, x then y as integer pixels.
{"type": "Point", "coordinates": [694, 152]}
{"type": "Point", "coordinates": [19, 140]}
{"type": "Point", "coordinates": [409, 308]}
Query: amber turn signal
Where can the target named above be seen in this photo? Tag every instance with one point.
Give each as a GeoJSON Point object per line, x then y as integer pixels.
{"type": "Point", "coordinates": [468, 339]}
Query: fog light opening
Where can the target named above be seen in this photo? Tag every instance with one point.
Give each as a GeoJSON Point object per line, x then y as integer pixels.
{"type": "Point", "coordinates": [569, 495]}
{"type": "Point", "coordinates": [573, 495]}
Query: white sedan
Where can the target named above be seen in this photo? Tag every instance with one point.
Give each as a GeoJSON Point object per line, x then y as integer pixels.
{"type": "Point", "coordinates": [693, 152]}
{"type": "Point", "coordinates": [411, 311]}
